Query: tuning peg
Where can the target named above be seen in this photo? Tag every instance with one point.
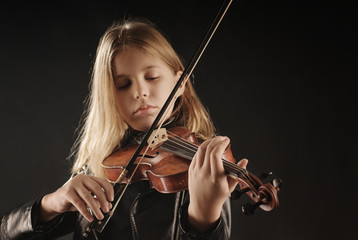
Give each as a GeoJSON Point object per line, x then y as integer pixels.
{"type": "Point", "coordinates": [262, 176]}
{"type": "Point", "coordinates": [249, 209]}
{"type": "Point", "coordinates": [236, 194]}
{"type": "Point", "coordinates": [277, 183]}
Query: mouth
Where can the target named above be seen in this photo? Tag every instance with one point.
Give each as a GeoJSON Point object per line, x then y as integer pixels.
{"type": "Point", "coordinates": [144, 109]}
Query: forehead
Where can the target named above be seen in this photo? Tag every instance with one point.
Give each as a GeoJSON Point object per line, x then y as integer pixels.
{"type": "Point", "coordinates": [133, 60]}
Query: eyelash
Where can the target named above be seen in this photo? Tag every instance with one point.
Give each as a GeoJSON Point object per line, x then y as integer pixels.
{"type": "Point", "coordinates": [128, 84]}
{"type": "Point", "coordinates": [151, 78]}
{"type": "Point", "coordinates": [124, 86]}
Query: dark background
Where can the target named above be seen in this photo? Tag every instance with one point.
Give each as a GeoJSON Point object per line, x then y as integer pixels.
{"type": "Point", "coordinates": [279, 79]}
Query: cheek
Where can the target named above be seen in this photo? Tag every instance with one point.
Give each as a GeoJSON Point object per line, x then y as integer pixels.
{"type": "Point", "coordinates": [121, 105]}
{"type": "Point", "coordinates": [166, 90]}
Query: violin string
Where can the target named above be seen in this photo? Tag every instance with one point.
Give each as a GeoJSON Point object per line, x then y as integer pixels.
{"type": "Point", "coordinates": [192, 149]}
{"type": "Point", "coordinates": [181, 142]}
{"type": "Point", "coordinates": [177, 144]}
{"type": "Point", "coordinates": [230, 167]}
{"type": "Point", "coordinates": [184, 142]}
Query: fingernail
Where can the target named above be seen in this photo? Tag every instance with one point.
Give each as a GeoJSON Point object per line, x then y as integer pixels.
{"type": "Point", "coordinates": [110, 205]}
{"type": "Point", "coordinates": [106, 209]}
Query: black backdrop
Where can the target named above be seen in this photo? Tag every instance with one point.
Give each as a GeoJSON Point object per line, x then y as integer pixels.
{"type": "Point", "coordinates": [278, 79]}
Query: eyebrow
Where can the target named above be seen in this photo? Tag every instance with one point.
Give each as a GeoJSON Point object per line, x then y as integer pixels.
{"type": "Point", "coordinates": [144, 69]}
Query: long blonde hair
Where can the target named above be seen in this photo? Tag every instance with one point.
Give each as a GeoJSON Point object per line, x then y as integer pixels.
{"type": "Point", "coordinates": [103, 128]}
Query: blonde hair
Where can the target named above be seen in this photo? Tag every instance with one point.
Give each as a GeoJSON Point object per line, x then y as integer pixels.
{"type": "Point", "coordinates": [103, 128]}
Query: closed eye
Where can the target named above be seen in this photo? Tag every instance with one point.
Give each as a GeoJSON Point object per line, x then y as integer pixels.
{"type": "Point", "coordinates": [152, 78]}
{"type": "Point", "coordinates": [123, 84]}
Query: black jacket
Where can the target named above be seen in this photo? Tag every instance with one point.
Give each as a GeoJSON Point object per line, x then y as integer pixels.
{"type": "Point", "coordinates": [143, 213]}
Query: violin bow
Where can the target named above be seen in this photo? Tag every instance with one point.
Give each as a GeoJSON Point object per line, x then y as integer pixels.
{"type": "Point", "coordinates": [99, 225]}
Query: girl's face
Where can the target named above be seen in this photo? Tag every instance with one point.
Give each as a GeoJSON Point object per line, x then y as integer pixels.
{"type": "Point", "coordinates": [143, 83]}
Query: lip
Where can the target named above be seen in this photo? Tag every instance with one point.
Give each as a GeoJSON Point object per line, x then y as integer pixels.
{"type": "Point", "coordinates": [144, 109]}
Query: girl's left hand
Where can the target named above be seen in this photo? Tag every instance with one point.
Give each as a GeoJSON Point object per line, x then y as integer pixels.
{"type": "Point", "coordinates": [209, 186]}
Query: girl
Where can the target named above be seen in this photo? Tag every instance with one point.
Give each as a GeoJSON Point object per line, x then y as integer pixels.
{"type": "Point", "coordinates": [134, 72]}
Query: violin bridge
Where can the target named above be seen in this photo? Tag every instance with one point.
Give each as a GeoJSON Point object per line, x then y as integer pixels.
{"type": "Point", "coordinates": [157, 138]}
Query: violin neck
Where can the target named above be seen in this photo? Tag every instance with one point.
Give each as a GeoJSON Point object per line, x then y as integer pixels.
{"type": "Point", "coordinates": [187, 150]}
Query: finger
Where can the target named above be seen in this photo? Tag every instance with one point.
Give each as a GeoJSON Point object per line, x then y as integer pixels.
{"type": "Point", "coordinates": [243, 163]}
{"type": "Point", "coordinates": [80, 206]}
{"type": "Point", "coordinates": [194, 160]}
{"type": "Point", "coordinates": [108, 188]}
{"type": "Point", "coordinates": [99, 204]}
{"type": "Point", "coordinates": [217, 167]}
{"type": "Point", "coordinates": [200, 155]}
{"type": "Point", "coordinates": [98, 192]}
{"type": "Point", "coordinates": [91, 202]}
{"type": "Point", "coordinates": [192, 163]}
{"type": "Point", "coordinates": [232, 181]}
{"type": "Point", "coordinates": [206, 165]}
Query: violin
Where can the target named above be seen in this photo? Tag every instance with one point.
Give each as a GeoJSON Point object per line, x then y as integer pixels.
{"type": "Point", "coordinates": [165, 165]}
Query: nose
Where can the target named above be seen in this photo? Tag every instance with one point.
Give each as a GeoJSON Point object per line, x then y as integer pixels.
{"type": "Point", "coordinates": [141, 90]}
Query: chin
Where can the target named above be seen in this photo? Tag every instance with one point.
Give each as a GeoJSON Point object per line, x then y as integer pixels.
{"type": "Point", "coordinates": [142, 127]}
{"type": "Point", "coordinates": [143, 123]}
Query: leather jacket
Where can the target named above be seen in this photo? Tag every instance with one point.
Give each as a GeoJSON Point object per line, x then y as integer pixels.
{"type": "Point", "coordinates": [143, 213]}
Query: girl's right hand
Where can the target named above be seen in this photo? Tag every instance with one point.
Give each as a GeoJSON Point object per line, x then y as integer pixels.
{"type": "Point", "coordinates": [78, 194]}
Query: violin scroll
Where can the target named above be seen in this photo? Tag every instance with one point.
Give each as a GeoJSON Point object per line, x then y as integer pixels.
{"type": "Point", "coordinates": [263, 195]}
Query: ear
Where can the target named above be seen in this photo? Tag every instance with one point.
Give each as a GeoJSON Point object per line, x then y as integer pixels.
{"type": "Point", "coordinates": [182, 86]}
